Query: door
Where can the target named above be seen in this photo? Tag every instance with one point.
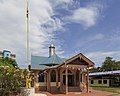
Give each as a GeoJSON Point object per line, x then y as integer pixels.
{"type": "Point", "coordinates": [70, 80]}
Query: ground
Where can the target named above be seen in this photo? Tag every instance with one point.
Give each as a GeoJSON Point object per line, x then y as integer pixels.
{"type": "Point", "coordinates": [108, 89]}
{"type": "Point", "coordinates": [91, 93]}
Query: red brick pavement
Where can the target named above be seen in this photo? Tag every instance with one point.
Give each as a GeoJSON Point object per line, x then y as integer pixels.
{"type": "Point", "coordinates": [91, 93]}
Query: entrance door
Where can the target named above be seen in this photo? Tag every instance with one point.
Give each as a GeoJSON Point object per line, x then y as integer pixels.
{"type": "Point", "coordinates": [70, 80]}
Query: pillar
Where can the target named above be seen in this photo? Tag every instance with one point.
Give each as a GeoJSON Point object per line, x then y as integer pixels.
{"type": "Point", "coordinates": [87, 79]}
{"type": "Point", "coordinates": [45, 79]}
{"type": "Point", "coordinates": [56, 77]}
{"type": "Point", "coordinates": [75, 77]}
{"type": "Point", "coordinates": [37, 75]}
{"type": "Point", "coordinates": [48, 80]}
{"type": "Point", "coordinates": [61, 81]}
{"type": "Point", "coordinates": [83, 77]}
{"type": "Point", "coordinates": [78, 77]}
{"type": "Point", "coordinates": [66, 85]}
{"type": "Point", "coordinates": [36, 82]}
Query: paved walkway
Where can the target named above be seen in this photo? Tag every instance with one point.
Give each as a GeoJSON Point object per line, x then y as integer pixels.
{"type": "Point", "coordinates": [116, 95]}
{"type": "Point", "coordinates": [38, 94]}
{"type": "Point", "coordinates": [91, 93]}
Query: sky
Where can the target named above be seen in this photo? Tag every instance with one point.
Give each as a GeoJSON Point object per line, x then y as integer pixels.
{"type": "Point", "coordinates": [91, 27]}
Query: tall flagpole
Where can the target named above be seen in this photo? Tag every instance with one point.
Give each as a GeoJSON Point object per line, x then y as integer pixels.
{"type": "Point", "coordinates": [27, 25]}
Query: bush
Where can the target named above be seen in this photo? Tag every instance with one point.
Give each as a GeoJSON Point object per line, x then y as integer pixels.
{"type": "Point", "coordinates": [11, 80]}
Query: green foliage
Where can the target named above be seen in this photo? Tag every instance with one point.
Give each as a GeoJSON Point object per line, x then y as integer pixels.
{"type": "Point", "coordinates": [8, 62]}
{"type": "Point", "coordinates": [109, 64]}
{"type": "Point", "coordinates": [98, 69]}
{"type": "Point", "coordinates": [11, 77]}
{"type": "Point", "coordinates": [118, 65]}
{"type": "Point", "coordinates": [11, 80]}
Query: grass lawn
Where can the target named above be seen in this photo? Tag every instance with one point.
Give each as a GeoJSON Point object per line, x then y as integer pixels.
{"type": "Point", "coordinates": [108, 89]}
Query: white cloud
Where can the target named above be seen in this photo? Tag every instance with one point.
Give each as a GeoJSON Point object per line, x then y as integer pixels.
{"type": "Point", "coordinates": [42, 25]}
{"type": "Point", "coordinates": [13, 27]}
{"type": "Point", "coordinates": [96, 37]}
{"type": "Point", "coordinates": [86, 16]}
{"type": "Point", "coordinates": [63, 3]}
{"type": "Point", "coordinates": [99, 56]}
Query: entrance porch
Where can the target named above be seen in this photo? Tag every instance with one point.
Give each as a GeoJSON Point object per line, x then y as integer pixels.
{"type": "Point", "coordinates": [73, 78]}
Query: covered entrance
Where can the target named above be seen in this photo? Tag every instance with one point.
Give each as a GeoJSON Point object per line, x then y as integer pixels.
{"type": "Point", "coordinates": [70, 80]}
{"type": "Point", "coordinates": [74, 74]}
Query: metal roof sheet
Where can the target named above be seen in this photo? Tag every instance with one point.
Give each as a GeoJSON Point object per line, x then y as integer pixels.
{"type": "Point", "coordinates": [54, 59]}
{"type": "Point", "coordinates": [40, 62]}
{"type": "Point", "coordinates": [104, 73]}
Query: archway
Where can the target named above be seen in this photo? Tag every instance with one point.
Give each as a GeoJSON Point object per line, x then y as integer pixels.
{"type": "Point", "coordinates": [53, 76]}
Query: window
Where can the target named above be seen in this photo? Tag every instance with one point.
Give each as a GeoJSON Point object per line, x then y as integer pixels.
{"type": "Point", "coordinates": [104, 81]}
{"type": "Point", "coordinates": [53, 76]}
{"type": "Point", "coordinates": [92, 82]}
{"type": "Point", "coordinates": [99, 81]}
{"type": "Point", "coordinates": [41, 77]}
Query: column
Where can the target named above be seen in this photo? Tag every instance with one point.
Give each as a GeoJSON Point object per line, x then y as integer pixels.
{"type": "Point", "coordinates": [83, 77]}
{"type": "Point", "coordinates": [45, 79]}
{"type": "Point", "coordinates": [87, 79]}
{"type": "Point", "coordinates": [56, 77]}
{"type": "Point", "coordinates": [37, 75]}
{"type": "Point", "coordinates": [33, 80]}
{"type": "Point", "coordinates": [75, 77]}
{"type": "Point", "coordinates": [60, 81]}
{"type": "Point", "coordinates": [48, 80]}
{"type": "Point", "coordinates": [66, 85]}
{"type": "Point", "coordinates": [78, 77]}
{"type": "Point", "coordinates": [36, 80]}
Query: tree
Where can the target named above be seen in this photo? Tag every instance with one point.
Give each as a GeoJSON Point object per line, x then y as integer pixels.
{"type": "Point", "coordinates": [109, 64]}
{"type": "Point", "coordinates": [117, 65]}
{"type": "Point", "coordinates": [9, 61]}
{"type": "Point", "coordinates": [96, 69]}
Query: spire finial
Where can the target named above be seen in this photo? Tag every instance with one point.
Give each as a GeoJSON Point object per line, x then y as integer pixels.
{"type": "Point", "coordinates": [51, 50]}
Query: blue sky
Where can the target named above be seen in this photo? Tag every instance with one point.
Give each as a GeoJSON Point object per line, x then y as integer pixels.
{"type": "Point", "coordinates": [91, 27]}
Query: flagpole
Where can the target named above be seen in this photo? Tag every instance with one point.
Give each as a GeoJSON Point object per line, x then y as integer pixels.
{"type": "Point", "coordinates": [27, 29]}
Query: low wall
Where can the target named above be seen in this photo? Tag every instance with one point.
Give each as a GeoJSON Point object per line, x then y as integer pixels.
{"type": "Point", "coordinates": [42, 86]}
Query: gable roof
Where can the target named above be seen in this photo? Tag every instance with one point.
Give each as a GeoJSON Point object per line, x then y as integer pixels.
{"type": "Point", "coordinates": [81, 56]}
